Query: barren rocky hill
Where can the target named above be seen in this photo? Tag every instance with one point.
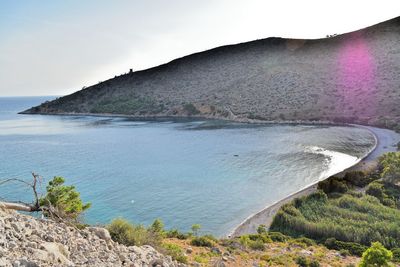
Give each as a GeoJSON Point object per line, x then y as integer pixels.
{"type": "Point", "coordinates": [354, 77]}
{"type": "Point", "coordinates": [28, 242]}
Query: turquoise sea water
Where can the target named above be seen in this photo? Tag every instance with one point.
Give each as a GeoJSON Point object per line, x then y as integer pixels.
{"type": "Point", "coordinates": [208, 172]}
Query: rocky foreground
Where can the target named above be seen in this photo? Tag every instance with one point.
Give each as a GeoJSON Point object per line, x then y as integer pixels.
{"type": "Point", "coordinates": [27, 241]}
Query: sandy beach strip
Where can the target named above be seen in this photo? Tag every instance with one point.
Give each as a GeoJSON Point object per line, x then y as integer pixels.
{"type": "Point", "coordinates": [386, 141]}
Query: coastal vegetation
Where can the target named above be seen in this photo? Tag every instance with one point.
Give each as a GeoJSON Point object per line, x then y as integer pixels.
{"type": "Point", "coordinates": [345, 216]}
{"type": "Point", "coordinates": [356, 215]}
{"type": "Point", "coordinates": [376, 255]}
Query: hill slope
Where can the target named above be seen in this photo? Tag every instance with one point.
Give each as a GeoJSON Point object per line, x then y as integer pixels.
{"type": "Point", "coordinates": [354, 77]}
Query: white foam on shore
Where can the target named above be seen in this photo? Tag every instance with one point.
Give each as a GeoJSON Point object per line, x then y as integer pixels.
{"type": "Point", "coordinates": [338, 162]}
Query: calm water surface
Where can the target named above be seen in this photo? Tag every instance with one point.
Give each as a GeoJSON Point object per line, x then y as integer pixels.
{"type": "Point", "coordinates": [185, 172]}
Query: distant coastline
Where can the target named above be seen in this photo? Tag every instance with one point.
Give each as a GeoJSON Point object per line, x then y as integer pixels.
{"type": "Point", "coordinates": [385, 141]}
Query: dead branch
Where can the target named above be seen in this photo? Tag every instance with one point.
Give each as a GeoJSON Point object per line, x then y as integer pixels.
{"type": "Point", "coordinates": [21, 206]}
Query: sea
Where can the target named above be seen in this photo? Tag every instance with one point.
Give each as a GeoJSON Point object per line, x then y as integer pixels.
{"type": "Point", "coordinates": [208, 172]}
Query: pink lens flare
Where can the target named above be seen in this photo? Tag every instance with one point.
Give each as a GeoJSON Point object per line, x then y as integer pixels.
{"type": "Point", "coordinates": [356, 77]}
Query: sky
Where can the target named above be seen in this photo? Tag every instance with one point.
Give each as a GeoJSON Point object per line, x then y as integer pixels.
{"type": "Point", "coordinates": [57, 47]}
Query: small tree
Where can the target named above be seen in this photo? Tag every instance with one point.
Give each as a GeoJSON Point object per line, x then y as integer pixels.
{"type": "Point", "coordinates": [195, 229]}
{"type": "Point", "coordinates": [157, 226]}
{"type": "Point", "coordinates": [62, 201]}
{"type": "Point", "coordinates": [262, 229]}
{"type": "Point", "coordinates": [376, 255]}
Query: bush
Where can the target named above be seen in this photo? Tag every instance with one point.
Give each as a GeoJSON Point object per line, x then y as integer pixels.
{"type": "Point", "coordinates": [278, 237]}
{"type": "Point", "coordinates": [306, 241]}
{"type": "Point", "coordinates": [375, 189]}
{"type": "Point", "coordinates": [396, 254]}
{"type": "Point", "coordinates": [262, 229]}
{"type": "Point", "coordinates": [174, 233]}
{"type": "Point", "coordinates": [351, 247]}
{"type": "Point", "coordinates": [196, 229]}
{"type": "Point", "coordinates": [376, 255]}
{"type": "Point", "coordinates": [175, 252]}
{"type": "Point", "coordinates": [352, 220]}
{"type": "Point", "coordinates": [333, 184]}
{"type": "Point", "coordinates": [63, 201]}
{"type": "Point", "coordinates": [201, 241]}
{"type": "Point", "coordinates": [385, 192]}
{"type": "Point", "coordinates": [129, 234]}
{"type": "Point", "coordinates": [357, 178]}
{"type": "Point", "coordinates": [391, 167]}
{"type": "Point", "coordinates": [302, 261]}
{"type": "Point", "coordinates": [257, 245]}
{"type": "Point", "coordinates": [344, 252]}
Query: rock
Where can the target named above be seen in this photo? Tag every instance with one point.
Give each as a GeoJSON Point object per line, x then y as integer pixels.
{"type": "Point", "coordinates": [29, 242]}
{"type": "Point", "coordinates": [4, 262]}
{"type": "Point", "coordinates": [216, 250]}
{"type": "Point", "coordinates": [56, 252]}
{"type": "Point", "coordinates": [101, 233]}
{"type": "Point", "coordinates": [27, 263]}
{"type": "Point", "coordinates": [189, 250]}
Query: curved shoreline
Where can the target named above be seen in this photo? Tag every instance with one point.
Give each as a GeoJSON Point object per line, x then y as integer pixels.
{"type": "Point", "coordinates": [265, 216]}
{"type": "Point", "coordinates": [384, 142]}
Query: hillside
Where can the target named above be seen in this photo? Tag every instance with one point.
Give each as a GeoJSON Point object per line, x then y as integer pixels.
{"type": "Point", "coordinates": [354, 77]}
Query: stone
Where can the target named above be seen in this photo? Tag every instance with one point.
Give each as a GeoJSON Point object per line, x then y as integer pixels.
{"type": "Point", "coordinates": [27, 263]}
{"type": "Point", "coordinates": [29, 242]}
{"type": "Point", "coordinates": [216, 250]}
{"type": "Point", "coordinates": [56, 251]}
{"type": "Point", "coordinates": [101, 233]}
{"type": "Point", "coordinates": [4, 262]}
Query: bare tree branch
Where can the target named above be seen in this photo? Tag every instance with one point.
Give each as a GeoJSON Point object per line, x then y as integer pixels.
{"type": "Point", "coordinates": [21, 206]}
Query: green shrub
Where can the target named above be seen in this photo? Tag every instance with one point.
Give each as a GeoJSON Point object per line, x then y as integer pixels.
{"type": "Point", "coordinates": [201, 241]}
{"type": "Point", "coordinates": [344, 252]}
{"type": "Point", "coordinates": [196, 229]}
{"type": "Point", "coordinates": [302, 261]}
{"type": "Point", "coordinates": [175, 252]}
{"type": "Point", "coordinates": [396, 254]}
{"type": "Point", "coordinates": [306, 241]}
{"type": "Point", "coordinates": [357, 178]}
{"type": "Point", "coordinates": [129, 234]}
{"type": "Point", "coordinates": [62, 201]}
{"type": "Point", "coordinates": [333, 185]}
{"type": "Point", "coordinates": [157, 226]}
{"type": "Point", "coordinates": [175, 233]}
{"type": "Point", "coordinates": [376, 189]}
{"type": "Point", "coordinates": [262, 229]}
{"type": "Point", "coordinates": [376, 255]}
{"type": "Point", "coordinates": [257, 245]}
{"type": "Point", "coordinates": [358, 220]}
{"type": "Point", "coordinates": [314, 263]}
{"type": "Point", "coordinates": [351, 247]}
{"type": "Point", "coordinates": [385, 192]}
{"type": "Point", "coordinates": [278, 237]}
{"type": "Point", "coordinates": [390, 163]}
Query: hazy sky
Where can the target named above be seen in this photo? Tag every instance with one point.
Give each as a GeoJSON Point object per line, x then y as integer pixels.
{"type": "Point", "coordinates": [56, 47]}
